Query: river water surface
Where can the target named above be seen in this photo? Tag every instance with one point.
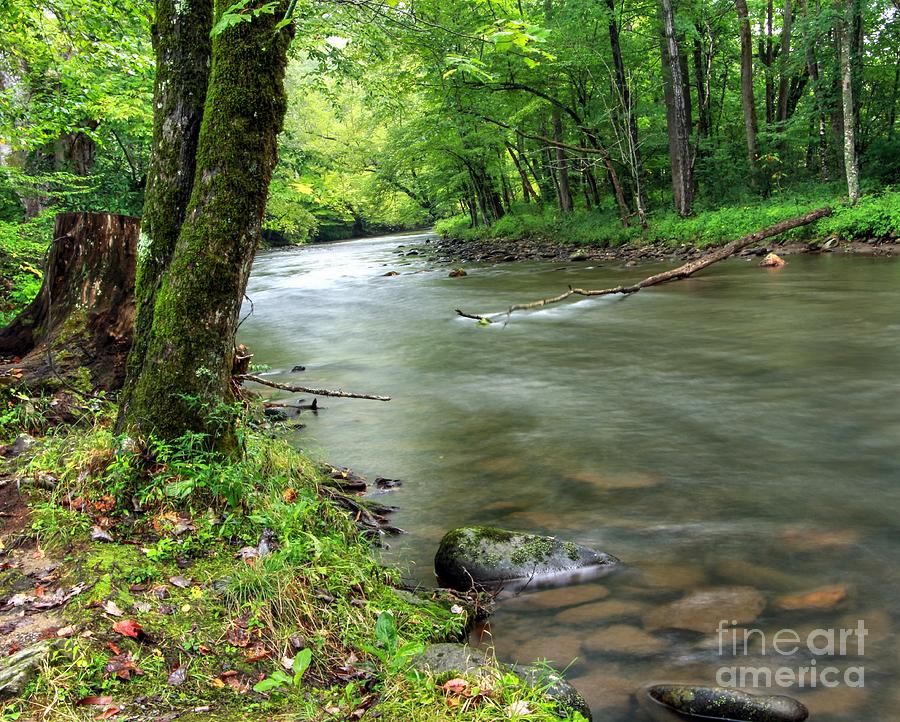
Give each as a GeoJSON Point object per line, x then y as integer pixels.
{"type": "Point", "coordinates": [734, 432]}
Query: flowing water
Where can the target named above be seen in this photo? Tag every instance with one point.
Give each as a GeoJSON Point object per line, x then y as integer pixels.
{"type": "Point", "coordinates": [738, 430]}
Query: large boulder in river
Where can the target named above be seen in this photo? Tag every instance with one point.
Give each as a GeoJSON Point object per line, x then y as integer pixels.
{"type": "Point", "coordinates": [687, 702]}
{"type": "Point", "coordinates": [491, 558]}
{"type": "Point", "coordinates": [450, 660]}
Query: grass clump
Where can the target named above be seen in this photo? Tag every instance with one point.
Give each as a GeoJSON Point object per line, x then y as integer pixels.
{"type": "Point", "coordinates": [254, 593]}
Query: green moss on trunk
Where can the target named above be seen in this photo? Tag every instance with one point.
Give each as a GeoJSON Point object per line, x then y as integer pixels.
{"type": "Point", "coordinates": [181, 40]}
{"type": "Point", "coordinates": [189, 348]}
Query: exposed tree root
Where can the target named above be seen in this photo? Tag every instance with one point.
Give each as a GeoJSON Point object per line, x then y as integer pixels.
{"type": "Point", "coordinates": [675, 274]}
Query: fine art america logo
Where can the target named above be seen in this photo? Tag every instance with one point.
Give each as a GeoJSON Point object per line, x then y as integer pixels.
{"type": "Point", "coordinates": [818, 658]}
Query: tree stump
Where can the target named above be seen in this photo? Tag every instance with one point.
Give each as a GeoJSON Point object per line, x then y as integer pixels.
{"type": "Point", "coordinates": [83, 315]}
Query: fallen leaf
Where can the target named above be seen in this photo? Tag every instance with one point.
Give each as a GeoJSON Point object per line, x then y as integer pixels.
{"type": "Point", "coordinates": [238, 637]}
{"type": "Point", "coordinates": [519, 708]}
{"type": "Point", "coordinates": [290, 495]}
{"type": "Point", "coordinates": [142, 607]}
{"type": "Point", "coordinates": [122, 666]}
{"type": "Point", "coordinates": [100, 534]}
{"type": "Point", "coordinates": [178, 677]}
{"type": "Point", "coordinates": [108, 713]}
{"type": "Point", "coordinates": [287, 662]}
{"type": "Point", "coordinates": [128, 628]}
{"type": "Point", "coordinates": [65, 632]}
{"type": "Point", "coordinates": [241, 686]}
{"type": "Point", "coordinates": [256, 654]}
{"type": "Point", "coordinates": [98, 701]}
{"type": "Point", "coordinates": [181, 582]}
{"type": "Point", "coordinates": [455, 686]}
{"type": "Point", "coordinates": [114, 648]}
{"type": "Point", "coordinates": [216, 682]}
{"type": "Point", "coordinates": [110, 607]}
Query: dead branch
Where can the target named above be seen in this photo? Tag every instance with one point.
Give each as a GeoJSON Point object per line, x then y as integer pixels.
{"type": "Point", "coordinates": [307, 390]}
{"type": "Point", "coordinates": [675, 274]}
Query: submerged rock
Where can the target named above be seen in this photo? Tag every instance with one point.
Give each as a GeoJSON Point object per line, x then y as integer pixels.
{"type": "Point", "coordinates": [491, 558]}
{"type": "Point", "coordinates": [702, 611]}
{"type": "Point", "coordinates": [719, 703]}
{"type": "Point", "coordinates": [445, 659]}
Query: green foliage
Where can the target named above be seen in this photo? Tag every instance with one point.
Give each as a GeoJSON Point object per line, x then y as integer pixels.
{"type": "Point", "coordinates": [22, 250]}
{"type": "Point", "coordinates": [876, 217]}
{"type": "Point", "coordinates": [56, 527]}
{"type": "Point", "coordinates": [280, 679]}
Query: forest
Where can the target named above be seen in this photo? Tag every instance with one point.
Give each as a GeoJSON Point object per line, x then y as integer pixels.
{"type": "Point", "coordinates": [243, 241]}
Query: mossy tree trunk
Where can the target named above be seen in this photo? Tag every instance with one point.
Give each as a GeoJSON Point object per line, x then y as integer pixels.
{"type": "Point", "coordinates": [182, 376]}
{"type": "Point", "coordinates": [183, 49]}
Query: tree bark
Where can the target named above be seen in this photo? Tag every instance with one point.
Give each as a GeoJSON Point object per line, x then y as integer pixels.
{"type": "Point", "coordinates": [83, 314]}
{"type": "Point", "coordinates": [676, 115]}
{"type": "Point", "coordinates": [747, 99]}
{"type": "Point", "coordinates": [183, 48]}
{"type": "Point", "coordinates": [784, 84]}
{"type": "Point", "coordinates": [821, 104]}
{"type": "Point", "coordinates": [527, 191]}
{"type": "Point", "coordinates": [635, 159]}
{"type": "Point", "coordinates": [186, 375]}
{"type": "Point", "coordinates": [844, 26]}
{"type": "Point", "coordinates": [562, 164]}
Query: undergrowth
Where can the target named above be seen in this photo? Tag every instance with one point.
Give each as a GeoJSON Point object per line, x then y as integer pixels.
{"type": "Point", "coordinates": [253, 593]}
{"type": "Point", "coordinates": [875, 217]}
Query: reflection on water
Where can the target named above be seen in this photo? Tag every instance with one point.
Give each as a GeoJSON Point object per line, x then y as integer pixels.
{"type": "Point", "coordinates": [738, 429]}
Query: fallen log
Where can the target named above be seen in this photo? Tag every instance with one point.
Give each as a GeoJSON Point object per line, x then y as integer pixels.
{"type": "Point", "coordinates": [308, 390]}
{"type": "Point", "coordinates": [675, 274]}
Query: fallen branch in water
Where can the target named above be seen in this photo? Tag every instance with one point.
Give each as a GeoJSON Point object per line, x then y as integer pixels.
{"type": "Point", "coordinates": [307, 390]}
{"type": "Point", "coordinates": [675, 274]}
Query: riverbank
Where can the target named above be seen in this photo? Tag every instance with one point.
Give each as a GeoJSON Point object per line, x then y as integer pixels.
{"type": "Point", "coordinates": [870, 228]}
{"type": "Point", "coordinates": [166, 582]}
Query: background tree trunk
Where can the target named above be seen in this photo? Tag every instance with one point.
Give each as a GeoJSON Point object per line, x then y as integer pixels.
{"type": "Point", "coordinates": [676, 115]}
{"type": "Point", "coordinates": [562, 165]}
{"type": "Point", "coordinates": [783, 58]}
{"type": "Point", "coordinates": [843, 29]}
{"type": "Point", "coordinates": [635, 160]}
{"type": "Point", "coordinates": [82, 317]}
{"type": "Point", "coordinates": [186, 374]}
{"type": "Point", "coordinates": [747, 99]}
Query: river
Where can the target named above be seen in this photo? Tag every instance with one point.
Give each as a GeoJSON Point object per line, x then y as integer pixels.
{"type": "Point", "coordinates": [737, 430]}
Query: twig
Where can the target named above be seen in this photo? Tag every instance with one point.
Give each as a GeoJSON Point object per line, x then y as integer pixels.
{"type": "Point", "coordinates": [307, 390]}
{"type": "Point", "coordinates": [675, 274]}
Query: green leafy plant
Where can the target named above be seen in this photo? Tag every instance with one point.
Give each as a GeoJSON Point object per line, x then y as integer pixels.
{"type": "Point", "coordinates": [280, 679]}
{"type": "Point", "coordinates": [393, 655]}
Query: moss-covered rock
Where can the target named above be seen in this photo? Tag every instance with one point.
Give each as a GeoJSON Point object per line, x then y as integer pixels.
{"type": "Point", "coordinates": [18, 669]}
{"type": "Point", "coordinates": [445, 660]}
{"type": "Point", "coordinates": [490, 558]}
{"type": "Point", "coordinates": [719, 703]}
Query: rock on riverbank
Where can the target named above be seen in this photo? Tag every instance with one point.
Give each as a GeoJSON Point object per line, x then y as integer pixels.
{"type": "Point", "coordinates": [490, 558]}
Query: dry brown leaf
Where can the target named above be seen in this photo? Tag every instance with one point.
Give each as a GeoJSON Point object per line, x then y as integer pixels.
{"type": "Point", "coordinates": [128, 628]}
